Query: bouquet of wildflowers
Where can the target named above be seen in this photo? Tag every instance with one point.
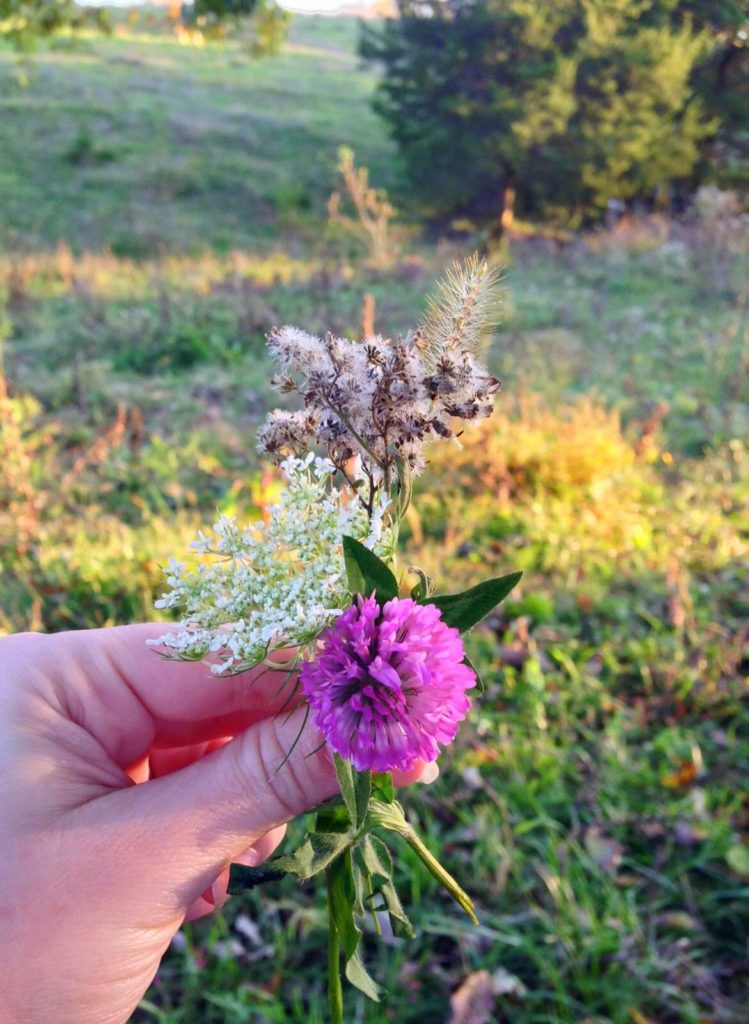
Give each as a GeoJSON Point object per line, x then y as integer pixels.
{"type": "Point", "coordinates": [318, 587]}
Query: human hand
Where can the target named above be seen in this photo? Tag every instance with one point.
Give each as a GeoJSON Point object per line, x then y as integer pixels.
{"type": "Point", "coordinates": [100, 871]}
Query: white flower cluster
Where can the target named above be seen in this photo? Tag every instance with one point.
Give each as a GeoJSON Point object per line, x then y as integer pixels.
{"type": "Point", "coordinates": [270, 585]}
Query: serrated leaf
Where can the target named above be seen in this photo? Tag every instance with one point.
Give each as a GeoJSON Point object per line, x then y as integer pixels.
{"type": "Point", "coordinates": [368, 574]}
{"type": "Point", "coordinates": [318, 850]}
{"type": "Point", "coordinates": [342, 896]}
{"type": "Point", "coordinates": [243, 878]}
{"type": "Point", "coordinates": [463, 611]}
{"type": "Point", "coordinates": [356, 788]}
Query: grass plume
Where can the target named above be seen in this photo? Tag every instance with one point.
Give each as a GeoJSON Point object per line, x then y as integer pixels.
{"type": "Point", "coordinates": [463, 310]}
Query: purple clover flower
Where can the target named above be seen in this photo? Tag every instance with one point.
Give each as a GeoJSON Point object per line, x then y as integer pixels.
{"type": "Point", "coordinates": [388, 684]}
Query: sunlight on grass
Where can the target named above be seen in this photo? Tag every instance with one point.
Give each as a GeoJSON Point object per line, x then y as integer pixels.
{"type": "Point", "coordinates": [597, 800]}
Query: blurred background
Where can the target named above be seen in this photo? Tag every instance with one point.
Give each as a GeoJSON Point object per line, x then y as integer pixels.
{"type": "Point", "coordinates": [174, 181]}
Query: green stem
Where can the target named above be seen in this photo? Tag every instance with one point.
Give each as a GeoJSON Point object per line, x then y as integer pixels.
{"type": "Point", "coordinates": [335, 990]}
{"type": "Point", "coordinates": [391, 816]}
{"type": "Point", "coordinates": [444, 877]}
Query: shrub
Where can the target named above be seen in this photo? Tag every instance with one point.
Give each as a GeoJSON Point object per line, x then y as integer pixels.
{"type": "Point", "coordinates": [374, 211]}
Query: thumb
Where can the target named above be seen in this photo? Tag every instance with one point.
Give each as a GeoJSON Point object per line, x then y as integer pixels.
{"type": "Point", "coordinates": [170, 837]}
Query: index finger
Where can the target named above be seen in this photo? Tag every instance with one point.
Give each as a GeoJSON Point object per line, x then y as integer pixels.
{"type": "Point", "coordinates": [131, 699]}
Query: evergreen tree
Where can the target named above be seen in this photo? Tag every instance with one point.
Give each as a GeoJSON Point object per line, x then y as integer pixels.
{"type": "Point", "coordinates": [722, 81]}
{"type": "Point", "coordinates": [565, 104]}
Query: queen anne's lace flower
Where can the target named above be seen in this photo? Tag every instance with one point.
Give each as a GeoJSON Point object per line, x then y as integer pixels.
{"type": "Point", "coordinates": [262, 587]}
{"type": "Point", "coordinates": [388, 685]}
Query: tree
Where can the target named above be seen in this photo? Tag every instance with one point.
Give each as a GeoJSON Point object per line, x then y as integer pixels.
{"type": "Point", "coordinates": [562, 105]}
{"type": "Point", "coordinates": [22, 22]}
{"type": "Point", "coordinates": [722, 81]}
{"type": "Point", "coordinates": [261, 24]}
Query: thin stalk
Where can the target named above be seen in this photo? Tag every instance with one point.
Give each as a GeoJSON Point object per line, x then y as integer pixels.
{"type": "Point", "coordinates": [335, 989]}
{"type": "Point", "coordinates": [444, 877]}
{"type": "Point", "coordinates": [391, 816]}
{"type": "Point", "coordinates": [347, 423]}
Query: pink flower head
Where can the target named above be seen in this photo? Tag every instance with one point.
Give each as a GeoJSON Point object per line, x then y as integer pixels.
{"type": "Point", "coordinates": [388, 684]}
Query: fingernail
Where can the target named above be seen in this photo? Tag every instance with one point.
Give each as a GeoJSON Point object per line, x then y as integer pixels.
{"type": "Point", "coordinates": [430, 773]}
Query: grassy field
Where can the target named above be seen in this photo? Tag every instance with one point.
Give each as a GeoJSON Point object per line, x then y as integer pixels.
{"type": "Point", "coordinates": [161, 207]}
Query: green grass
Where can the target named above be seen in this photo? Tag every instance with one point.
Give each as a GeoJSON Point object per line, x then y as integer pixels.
{"type": "Point", "coordinates": [141, 145]}
{"type": "Point", "coordinates": [161, 208]}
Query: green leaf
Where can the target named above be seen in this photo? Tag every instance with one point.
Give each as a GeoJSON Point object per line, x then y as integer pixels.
{"type": "Point", "coordinates": [242, 878]}
{"type": "Point", "coordinates": [360, 977]}
{"type": "Point", "coordinates": [333, 817]}
{"type": "Point", "coordinates": [318, 850]}
{"type": "Point", "coordinates": [398, 916]}
{"type": "Point", "coordinates": [382, 787]}
{"type": "Point", "coordinates": [354, 575]}
{"type": "Point", "coordinates": [479, 681]}
{"type": "Point", "coordinates": [343, 898]}
{"type": "Point", "coordinates": [464, 610]}
{"type": "Point", "coordinates": [378, 863]}
{"type": "Point", "coordinates": [356, 788]}
{"type": "Point", "coordinates": [376, 857]}
{"type": "Point", "coordinates": [368, 574]}
{"type": "Point", "coordinates": [423, 588]}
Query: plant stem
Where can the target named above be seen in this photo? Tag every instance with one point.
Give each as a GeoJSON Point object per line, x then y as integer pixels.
{"type": "Point", "coordinates": [391, 816]}
{"type": "Point", "coordinates": [444, 877]}
{"type": "Point", "coordinates": [335, 990]}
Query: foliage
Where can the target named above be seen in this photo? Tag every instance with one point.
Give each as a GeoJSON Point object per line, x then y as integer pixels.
{"type": "Point", "coordinates": [722, 81]}
{"type": "Point", "coordinates": [23, 22]}
{"type": "Point", "coordinates": [269, 29]}
{"type": "Point", "coordinates": [565, 106]}
{"type": "Point", "coordinates": [261, 24]}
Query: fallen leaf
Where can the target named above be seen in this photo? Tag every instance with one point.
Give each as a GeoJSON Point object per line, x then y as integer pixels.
{"type": "Point", "coordinates": [506, 984]}
{"type": "Point", "coordinates": [681, 779]}
{"type": "Point", "coordinates": [678, 919]}
{"type": "Point", "coordinates": [605, 851]}
{"type": "Point", "coordinates": [473, 1002]}
{"type": "Point", "coordinates": [688, 835]}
